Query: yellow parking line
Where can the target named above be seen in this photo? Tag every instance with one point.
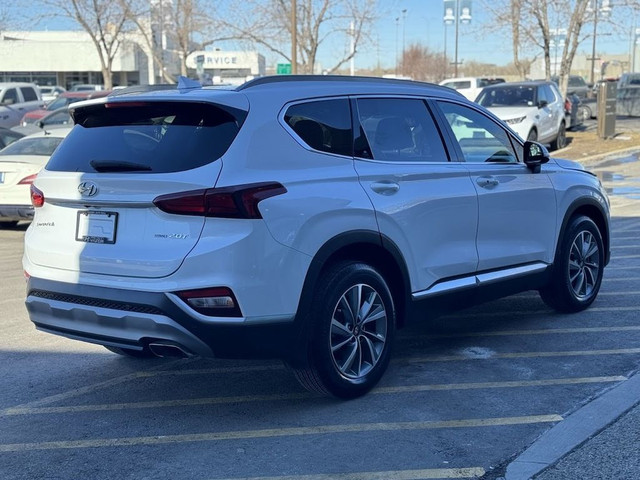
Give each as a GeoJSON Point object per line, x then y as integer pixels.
{"type": "Point", "coordinates": [620, 247]}
{"type": "Point", "coordinates": [427, 474]}
{"type": "Point", "coordinates": [300, 396]}
{"type": "Point", "coordinates": [512, 333]}
{"type": "Point", "coordinates": [496, 356]}
{"type": "Point", "coordinates": [623, 257]}
{"type": "Point", "coordinates": [621, 279]}
{"type": "Point", "coordinates": [276, 432]}
{"type": "Point", "coordinates": [609, 268]}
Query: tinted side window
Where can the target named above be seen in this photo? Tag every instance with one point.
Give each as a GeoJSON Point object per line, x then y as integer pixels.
{"type": "Point", "coordinates": [400, 130]}
{"type": "Point", "coordinates": [10, 97]}
{"type": "Point", "coordinates": [542, 95]}
{"type": "Point", "coordinates": [324, 125]}
{"type": "Point", "coordinates": [29, 94]}
{"type": "Point", "coordinates": [480, 139]}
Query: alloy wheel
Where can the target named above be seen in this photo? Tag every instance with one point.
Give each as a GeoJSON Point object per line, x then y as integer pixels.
{"type": "Point", "coordinates": [584, 265]}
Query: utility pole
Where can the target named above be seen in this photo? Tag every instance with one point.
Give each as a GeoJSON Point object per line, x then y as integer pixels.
{"type": "Point", "coordinates": [455, 61]}
{"type": "Point", "coordinates": [294, 37]}
{"type": "Point", "coordinates": [593, 50]}
{"type": "Point", "coordinates": [404, 16]}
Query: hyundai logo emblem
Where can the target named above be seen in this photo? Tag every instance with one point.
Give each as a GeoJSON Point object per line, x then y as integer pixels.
{"type": "Point", "coordinates": [88, 189]}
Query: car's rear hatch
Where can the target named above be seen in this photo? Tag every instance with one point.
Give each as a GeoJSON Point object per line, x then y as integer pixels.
{"type": "Point", "coordinates": [98, 214]}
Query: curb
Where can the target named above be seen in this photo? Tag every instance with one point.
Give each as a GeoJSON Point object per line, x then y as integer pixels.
{"type": "Point", "coordinates": [579, 427]}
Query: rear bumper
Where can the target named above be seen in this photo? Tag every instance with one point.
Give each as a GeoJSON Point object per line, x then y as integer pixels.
{"type": "Point", "coordinates": [16, 212]}
{"type": "Point", "coordinates": [132, 319]}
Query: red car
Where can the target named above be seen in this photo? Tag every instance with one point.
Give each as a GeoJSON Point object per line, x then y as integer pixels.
{"type": "Point", "coordinates": [64, 100]}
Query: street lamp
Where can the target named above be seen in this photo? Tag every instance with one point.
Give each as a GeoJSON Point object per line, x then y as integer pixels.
{"type": "Point", "coordinates": [456, 12]}
{"type": "Point", "coordinates": [604, 9]}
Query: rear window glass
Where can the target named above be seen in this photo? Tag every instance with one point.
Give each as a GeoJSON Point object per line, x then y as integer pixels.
{"type": "Point", "coordinates": [32, 146]}
{"type": "Point", "coordinates": [29, 94]}
{"type": "Point", "coordinates": [147, 137]}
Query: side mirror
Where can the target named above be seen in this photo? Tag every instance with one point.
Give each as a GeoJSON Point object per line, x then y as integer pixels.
{"type": "Point", "coordinates": [39, 124]}
{"type": "Point", "coordinates": [542, 103]}
{"type": "Point", "coordinates": [535, 155]}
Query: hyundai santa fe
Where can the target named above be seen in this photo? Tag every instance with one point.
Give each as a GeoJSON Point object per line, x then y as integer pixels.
{"type": "Point", "coordinates": [301, 218]}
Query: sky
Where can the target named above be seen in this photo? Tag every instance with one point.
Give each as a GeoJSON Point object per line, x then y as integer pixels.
{"type": "Point", "coordinates": [421, 23]}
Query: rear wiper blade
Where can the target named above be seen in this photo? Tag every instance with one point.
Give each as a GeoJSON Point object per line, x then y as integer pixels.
{"type": "Point", "coordinates": [116, 166]}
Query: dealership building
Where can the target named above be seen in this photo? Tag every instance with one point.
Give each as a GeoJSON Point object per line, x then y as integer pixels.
{"type": "Point", "coordinates": [69, 57]}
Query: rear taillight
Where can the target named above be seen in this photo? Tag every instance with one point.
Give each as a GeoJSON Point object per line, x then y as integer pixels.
{"type": "Point", "coordinates": [28, 180]}
{"type": "Point", "coordinates": [240, 201]}
{"type": "Point", "coordinates": [37, 197]}
{"type": "Point", "coordinates": [213, 302]}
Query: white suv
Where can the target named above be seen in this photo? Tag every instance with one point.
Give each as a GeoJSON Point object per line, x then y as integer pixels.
{"type": "Point", "coordinates": [535, 110]}
{"type": "Point", "coordinates": [302, 218]}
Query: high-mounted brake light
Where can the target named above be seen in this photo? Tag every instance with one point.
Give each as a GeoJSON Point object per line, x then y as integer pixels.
{"type": "Point", "coordinates": [28, 180]}
{"type": "Point", "coordinates": [37, 197]}
{"type": "Point", "coordinates": [126, 104]}
{"type": "Point", "coordinates": [240, 201]}
{"type": "Point", "coordinates": [214, 302]}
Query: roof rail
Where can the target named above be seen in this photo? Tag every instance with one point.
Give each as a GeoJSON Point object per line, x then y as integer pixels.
{"type": "Point", "coordinates": [326, 78]}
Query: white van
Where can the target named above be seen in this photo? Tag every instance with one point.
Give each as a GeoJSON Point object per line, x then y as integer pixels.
{"type": "Point", "coordinates": [16, 99]}
{"type": "Point", "coordinates": [470, 87]}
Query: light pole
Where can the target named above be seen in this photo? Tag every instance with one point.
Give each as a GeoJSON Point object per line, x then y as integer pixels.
{"type": "Point", "coordinates": [404, 16]}
{"type": "Point", "coordinates": [604, 9]}
{"type": "Point", "coordinates": [456, 11]}
{"type": "Point", "coordinates": [294, 37]}
{"type": "Point", "coordinates": [397, 24]}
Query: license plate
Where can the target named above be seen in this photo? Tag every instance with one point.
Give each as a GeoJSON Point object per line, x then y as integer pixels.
{"type": "Point", "coordinates": [96, 227]}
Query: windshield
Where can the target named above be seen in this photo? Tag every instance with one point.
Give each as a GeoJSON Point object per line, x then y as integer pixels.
{"type": "Point", "coordinates": [152, 137]}
{"type": "Point", "coordinates": [508, 97]}
{"type": "Point", "coordinates": [61, 102]}
{"type": "Point", "coordinates": [44, 146]}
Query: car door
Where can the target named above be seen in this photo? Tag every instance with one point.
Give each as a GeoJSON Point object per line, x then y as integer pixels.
{"type": "Point", "coordinates": [9, 114]}
{"type": "Point", "coordinates": [425, 204]}
{"type": "Point", "coordinates": [516, 207]}
{"type": "Point", "coordinates": [546, 118]}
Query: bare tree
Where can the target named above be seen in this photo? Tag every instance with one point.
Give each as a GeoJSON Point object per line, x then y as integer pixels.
{"type": "Point", "coordinates": [267, 23]}
{"type": "Point", "coordinates": [537, 24]}
{"type": "Point", "coordinates": [421, 63]}
{"type": "Point", "coordinates": [103, 20]}
{"type": "Point", "coordinates": [180, 22]}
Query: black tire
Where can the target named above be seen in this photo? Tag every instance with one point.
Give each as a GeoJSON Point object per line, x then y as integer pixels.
{"type": "Point", "coordinates": [130, 352]}
{"type": "Point", "coordinates": [561, 139]}
{"type": "Point", "coordinates": [586, 113]}
{"type": "Point", "coordinates": [578, 268]}
{"type": "Point", "coordinates": [9, 224]}
{"type": "Point", "coordinates": [533, 136]}
{"type": "Point", "coordinates": [347, 356]}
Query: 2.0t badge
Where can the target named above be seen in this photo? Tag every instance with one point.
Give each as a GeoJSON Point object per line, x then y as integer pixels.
{"type": "Point", "coordinates": [88, 189]}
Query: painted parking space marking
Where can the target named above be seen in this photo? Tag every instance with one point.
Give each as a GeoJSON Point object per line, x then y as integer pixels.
{"type": "Point", "coordinates": [301, 396]}
{"type": "Point", "coordinates": [515, 313]}
{"type": "Point", "coordinates": [624, 257]}
{"type": "Point", "coordinates": [496, 356]}
{"type": "Point", "coordinates": [515, 333]}
{"type": "Point", "coordinates": [277, 432]}
{"type": "Point", "coordinates": [426, 474]}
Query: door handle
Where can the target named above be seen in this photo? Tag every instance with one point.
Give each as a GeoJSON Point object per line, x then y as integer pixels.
{"type": "Point", "coordinates": [385, 187]}
{"type": "Point", "coordinates": [487, 182]}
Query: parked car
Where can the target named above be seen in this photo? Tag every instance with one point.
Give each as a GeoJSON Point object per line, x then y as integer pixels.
{"type": "Point", "coordinates": [50, 93]}
{"type": "Point", "coordinates": [577, 86]}
{"type": "Point", "coordinates": [628, 101]}
{"type": "Point", "coordinates": [55, 119]}
{"type": "Point", "coordinates": [20, 162]}
{"type": "Point", "coordinates": [535, 110]}
{"type": "Point", "coordinates": [299, 217]}
{"type": "Point", "coordinates": [470, 87]}
{"type": "Point", "coordinates": [7, 137]}
{"type": "Point", "coordinates": [629, 80]}
{"type": "Point", "coordinates": [86, 87]}
{"type": "Point", "coordinates": [64, 100]}
{"type": "Point", "coordinates": [16, 99]}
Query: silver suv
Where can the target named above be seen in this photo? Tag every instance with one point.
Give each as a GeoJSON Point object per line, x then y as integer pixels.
{"type": "Point", "coordinates": [16, 99]}
{"type": "Point", "coordinates": [302, 218]}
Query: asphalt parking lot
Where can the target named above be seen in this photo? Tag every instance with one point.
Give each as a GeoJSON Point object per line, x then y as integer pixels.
{"type": "Point", "coordinates": [463, 396]}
